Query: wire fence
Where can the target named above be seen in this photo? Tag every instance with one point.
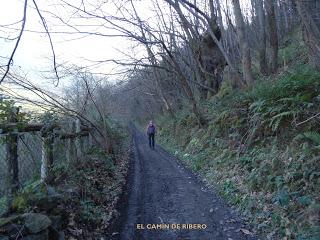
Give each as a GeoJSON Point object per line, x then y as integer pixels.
{"type": "Point", "coordinates": [29, 158]}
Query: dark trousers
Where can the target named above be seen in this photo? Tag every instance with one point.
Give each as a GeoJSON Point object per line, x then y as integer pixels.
{"type": "Point", "coordinates": [151, 139]}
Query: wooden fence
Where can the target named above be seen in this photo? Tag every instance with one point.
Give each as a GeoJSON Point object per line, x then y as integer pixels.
{"type": "Point", "coordinates": [11, 130]}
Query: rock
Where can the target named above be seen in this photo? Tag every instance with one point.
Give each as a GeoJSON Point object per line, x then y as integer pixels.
{"type": "Point", "coordinates": [36, 222]}
{"type": "Point", "coordinates": [44, 235]}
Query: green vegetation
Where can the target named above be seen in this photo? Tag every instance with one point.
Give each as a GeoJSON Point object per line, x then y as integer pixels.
{"type": "Point", "coordinates": [3, 204]}
{"type": "Point", "coordinates": [98, 186]}
{"type": "Point", "coordinates": [83, 192]}
{"type": "Point", "coordinates": [100, 181]}
{"type": "Point", "coordinates": [260, 148]}
{"type": "Point", "coordinates": [32, 192]}
{"type": "Point", "coordinates": [9, 106]}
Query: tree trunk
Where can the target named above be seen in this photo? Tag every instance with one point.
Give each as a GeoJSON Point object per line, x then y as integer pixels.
{"type": "Point", "coordinates": [284, 9]}
{"type": "Point", "coordinates": [193, 40]}
{"type": "Point", "coordinates": [155, 71]}
{"type": "Point", "coordinates": [273, 36]}
{"type": "Point", "coordinates": [207, 21]}
{"type": "Point", "coordinates": [262, 36]}
{"type": "Point", "coordinates": [220, 21]}
{"type": "Point", "coordinates": [245, 50]}
{"type": "Point", "coordinates": [187, 89]}
{"type": "Point", "coordinates": [311, 25]}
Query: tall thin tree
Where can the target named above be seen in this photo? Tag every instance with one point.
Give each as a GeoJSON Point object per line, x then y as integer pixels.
{"type": "Point", "coordinates": [243, 42]}
{"type": "Point", "coordinates": [273, 35]}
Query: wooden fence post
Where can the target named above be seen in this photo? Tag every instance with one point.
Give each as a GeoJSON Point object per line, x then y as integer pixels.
{"type": "Point", "coordinates": [78, 139]}
{"type": "Point", "coordinates": [68, 151]}
{"type": "Point", "coordinates": [87, 142]}
{"type": "Point", "coordinates": [70, 145]}
{"type": "Point", "coordinates": [90, 140]}
{"type": "Point", "coordinates": [12, 178]}
{"type": "Point", "coordinates": [47, 157]}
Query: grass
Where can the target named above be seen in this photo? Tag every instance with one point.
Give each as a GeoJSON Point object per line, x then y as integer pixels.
{"type": "Point", "coordinates": [256, 153]}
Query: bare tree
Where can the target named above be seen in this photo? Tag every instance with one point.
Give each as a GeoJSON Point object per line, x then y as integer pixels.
{"type": "Point", "coordinates": [211, 26]}
{"type": "Point", "coordinates": [154, 63]}
{"type": "Point", "coordinates": [273, 35]}
{"type": "Point", "coordinates": [262, 36]}
{"type": "Point", "coordinates": [309, 13]}
{"type": "Point", "coordinates": [244, 45]}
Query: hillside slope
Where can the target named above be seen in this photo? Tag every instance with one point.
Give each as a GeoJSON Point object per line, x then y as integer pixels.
{"type": "Point", "coordinates": [260, 147]}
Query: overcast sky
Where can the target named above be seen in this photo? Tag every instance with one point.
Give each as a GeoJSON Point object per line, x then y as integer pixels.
{"type": "Point", "coordinates": [34, 54]}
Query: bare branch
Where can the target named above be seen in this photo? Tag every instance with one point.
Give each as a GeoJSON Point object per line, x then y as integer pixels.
{"type": "Point", "coordinates": [24, 19]}
{"type": "Point", "coordinates": [51, 44]}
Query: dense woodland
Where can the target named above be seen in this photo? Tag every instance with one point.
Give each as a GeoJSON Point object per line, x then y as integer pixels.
{"type": "Point", "coordinates": [233, 87]}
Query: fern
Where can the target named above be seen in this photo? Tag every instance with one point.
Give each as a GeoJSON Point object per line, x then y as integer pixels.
{"type": "Point", "coordinates": [276, 120]}
{"type": "Point", "coordinates": [312, 136]}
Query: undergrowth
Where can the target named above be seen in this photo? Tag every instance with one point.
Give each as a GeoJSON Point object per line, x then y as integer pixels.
{"type": "Point", "coordinates": [261, 149]}
{"type": "Point", "coordinates": [87, 190]}
{"type": "Point", "coordinates": [99, 182]}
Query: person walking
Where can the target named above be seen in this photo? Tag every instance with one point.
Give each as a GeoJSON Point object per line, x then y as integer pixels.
{"type": "Point", "coordinates": [151, 131]}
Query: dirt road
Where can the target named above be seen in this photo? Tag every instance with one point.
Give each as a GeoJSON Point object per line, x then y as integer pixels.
{"type": "Point", "coordinates": [163, 194]}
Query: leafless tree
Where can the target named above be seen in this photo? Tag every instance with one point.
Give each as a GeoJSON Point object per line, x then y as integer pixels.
{"type": "Point", "coordinates": [244, 45]}
{"type": "Point", "coordinates": [273, 35]}
{"type": "Point", "coordinates": [309, 13]}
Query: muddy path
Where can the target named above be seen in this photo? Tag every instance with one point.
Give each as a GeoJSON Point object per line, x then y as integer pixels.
{"type": "Point", "coordinates": [162, 194]}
